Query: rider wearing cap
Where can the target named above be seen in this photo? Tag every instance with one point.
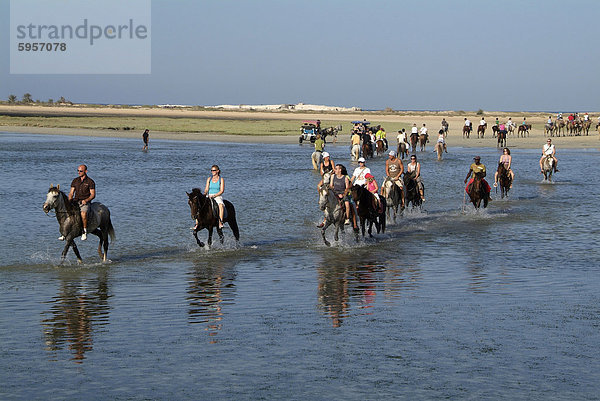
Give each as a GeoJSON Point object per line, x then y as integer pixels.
{"type": "Point", "coordinates": [393, 171]}
{"type": "Point", "coordinates": [478, 167]}
{"type": "Point", "coordinates": [358, 176]}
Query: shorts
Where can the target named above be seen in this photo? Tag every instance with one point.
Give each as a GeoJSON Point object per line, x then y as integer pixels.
{"type": "Point", "coordinates": [219, 200]}
{"type": "Point", "coordinates": [84, 208]}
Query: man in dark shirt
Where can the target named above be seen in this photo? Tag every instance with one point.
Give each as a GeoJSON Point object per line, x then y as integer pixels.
{"type": "Point", "coordinates": [83, 190]}
{"type": "Point", "coordinates": [145, 138]}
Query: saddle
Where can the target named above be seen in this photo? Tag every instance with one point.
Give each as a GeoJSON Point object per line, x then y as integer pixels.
{"type": "Point", "coordinates": [215, 210]}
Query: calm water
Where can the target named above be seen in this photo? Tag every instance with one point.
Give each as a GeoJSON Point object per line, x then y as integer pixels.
{"type": "Point", "coordinates": [499, 304]}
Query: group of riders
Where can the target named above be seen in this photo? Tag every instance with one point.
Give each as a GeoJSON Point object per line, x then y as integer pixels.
{"type": "Point", "coordinates": [340, 182]}
{"type": "Point", "coordinates": [574, 123]}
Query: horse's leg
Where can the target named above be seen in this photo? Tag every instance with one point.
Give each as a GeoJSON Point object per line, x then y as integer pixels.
{"type": "Point", "coordinates": [210, 233]}
{"type": "Point", "coordinates": [221, 236]}
{"type": "Point", "coordinates": [74, 245]}
{"type": "Point", "coordinates": [327, 224]}
{"type": "Point", "coordinates": [200, 243]}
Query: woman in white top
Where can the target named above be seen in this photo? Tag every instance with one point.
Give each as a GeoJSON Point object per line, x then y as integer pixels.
{"type": "Point", "coordinates": [358, 177]}
{"type": "Point", "coordinates": [414, 167]}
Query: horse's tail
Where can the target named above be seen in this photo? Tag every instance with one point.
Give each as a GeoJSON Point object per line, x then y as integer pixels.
{"type": "Point", "coordinates": [232, 221]}
{"type": "Point", "coordinates": [111, 231]}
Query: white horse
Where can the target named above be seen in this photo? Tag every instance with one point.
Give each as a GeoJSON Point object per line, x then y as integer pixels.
{"type": "Point", "coordinates": [355, 152]}
{"type": "Point", "coordinates": [70, 225]}
{"type": "Point", "coordinates": [317, 158]}
{"type": "Point", "coordinates": [334, 212]}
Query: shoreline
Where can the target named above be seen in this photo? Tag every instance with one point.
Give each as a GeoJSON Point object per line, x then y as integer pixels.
{"type": "Point", "coordinates": [269, 127]}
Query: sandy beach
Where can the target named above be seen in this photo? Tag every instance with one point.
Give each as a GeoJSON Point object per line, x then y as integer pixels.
{"type": "Point", "coordinates": [16, 118]}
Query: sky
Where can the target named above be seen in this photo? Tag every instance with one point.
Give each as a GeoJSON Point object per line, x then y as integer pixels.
{"type": "Point", "coordinates": [406, 55]}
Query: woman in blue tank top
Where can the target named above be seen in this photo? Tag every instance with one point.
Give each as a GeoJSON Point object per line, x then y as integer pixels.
{"type": "Point", "coordinates": [215, 186]}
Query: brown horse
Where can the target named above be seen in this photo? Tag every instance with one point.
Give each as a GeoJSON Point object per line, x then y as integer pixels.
{"type": "Point", "coordinates": [523, 129]}
{"type": "Point", "coordinates": [559, 126]}
{"type": "Point", "coordinates": [504, 180]}
{"type": "Point", "coordinates": [205, 210]}
{"type": "Point", "coordinates": [481, 130]}
{"type": "Point", "coordinates": [466, 131]}
{"type": "Point", "coordinates": [367, 149]}
{"type": "Point", "coordinates": [365, 210]}
{"type": "Point", "coordinates": [423, 139]}
{"type": "Point", "coordinates": [414, 138]}
{"type": "Point", "coordinates": [495, 130]}
{"type": "Point", "coordinates": [501, 139]}
{"type": "Point", "coordinates": [379, 147]}
{"type": "Point", "coordinates": [476, 191]}
{"type": "Point", "coordinates": [439, 149]}
{"type": "Point", "coordinates": [585, 126]}
{"type": "Point", "coordinates": [402, 150]}
{"type": "Point", "coordinates": [411, 191]}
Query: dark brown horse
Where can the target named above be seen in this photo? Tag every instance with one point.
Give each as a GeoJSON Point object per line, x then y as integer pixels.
{"type": "Point", "coordinates": [495, 130]}
{"type": "Point", "coordinates": [70, 225]}
{"type": "Point", "coordinates": [367, 149]}
{"type": "Point", "coordinates": [366, 212]}
{"type": "Point", "coordinates": [414, 138]}
{"type": "Point", "coordinates": [466, 131]}
{"type": "Point", "coordinates": [423, 139]}
{"type": "Point", "coordinates": [411, 191]}
{"type": "Point", "coordinates": [523, 129]}
{"type": "Point", "coordinates": [504, 180]}
{"type": "Point", "coordinates": [205, 210]}
{"type": "Point", "coordinates": [402, 150]}
{"type": "Point", "coordinates": [477, 192]}
{"type": "Point", "coordinates": [379, 147]}
{"type": "Point", "coordinates": [481, 130]}
{"type": "Point", "coordinates": [502, 139]}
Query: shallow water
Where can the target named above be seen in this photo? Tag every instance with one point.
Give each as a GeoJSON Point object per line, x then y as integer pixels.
{"type": "Point", "coordinates": [449, 302]}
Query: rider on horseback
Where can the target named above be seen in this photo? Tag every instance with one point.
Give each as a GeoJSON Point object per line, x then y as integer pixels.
{"type": "Point", "coordinates": [373, 188]}
{"type": "Point", "coordinates": [548, 150]}
{"type": "Point", "coordinates": [393, 170]}
{"type": "Point", "coordinates": [83, 191]}
{"type": "Point", "coordinates": [340, 185]}
{"type": "Point", "coordinates": [478, 168]}
{"type": "Point", "coordinates": [414, 168]}
{"type": "Point", "coordinates": [442, 139]}
{"type": "Point", "coordinates": [380, 134]}
{"type": "Point", "coordinates": [505, 159]}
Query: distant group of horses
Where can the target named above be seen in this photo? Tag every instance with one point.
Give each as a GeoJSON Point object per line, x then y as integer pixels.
{"type": "Point", "coordinates": [575, 127]}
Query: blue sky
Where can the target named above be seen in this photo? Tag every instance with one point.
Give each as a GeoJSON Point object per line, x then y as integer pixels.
{"type": "Point", "coordinates": [408, 55]}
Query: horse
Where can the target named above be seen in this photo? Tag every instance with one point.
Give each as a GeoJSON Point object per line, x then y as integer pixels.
{"type": "Point", "coordinates": [481, 130]}
{"type": "Point", "coordinates": [70, 225]}
{"type": "Point", "coordinates": [379, 147]}
{"type": "Point", "coordinates": [549, 129]}
{"type": "Point", "coordinates": [367, 149]}
{"type": "Point", "coordinates": [511, 129]}
{"type": "Point", "coordinates": [495, 130]}
{"type": "Point", "coordinates": [559, 127]}
{"type": "Point", "coordinates": [206, 211]}
{"type": "Point", "coordinates": [571, 127]}
{"type": "Point", "coordinates": [402, 150]}
{"type": "Point", "coordinates": [423, 139]}
{"type": "Point", "coordinates": [414, 138]}
{"type": "Point", "coordinates": [355, 152]}
{"type": "Point", "coordinates": [365, 210]}
{"type": "Point", "coordinates": [334, 212]}
{"type": "Point", "coordinates": [466, 131]}
{"type": "Point", "coordinates": [548, 167]}
{"type": "Point", "coordinates": [501, 139]}
{"type": "Point", "coordinates": [317, 158]}
{"type": "Point", "coordinates": [393, 195]}
{"type": "Point", "coordinates": [523, 129]}
{"type": "Point", "coordinates": [411, 191]}
{"type": "Point", "coordinates": [439, 149]}
{"type": "Point", "coordinates": [585, 126]}
{"type": "Point", "coordinates": [477, 192]}
{"type": "Point", "coordinates": [504, 179]}
{"type": "Point", "coordinates": [445, 129]}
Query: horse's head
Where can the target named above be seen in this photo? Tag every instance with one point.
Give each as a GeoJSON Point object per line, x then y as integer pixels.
{"type": "Point", "coordinates": [323, 195]}
{"type": "Point", "coordinates": [356, 191]}
{"type": "Point", "coordinates": [53, 198]}
{"type": "Point", "coordinates": [196, 200]}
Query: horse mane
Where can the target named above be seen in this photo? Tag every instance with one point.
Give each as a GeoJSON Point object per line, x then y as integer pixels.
{"type": "Point", "coordinates": [196, 192]}
{"type": "Point", "coordinates": [72, 207]}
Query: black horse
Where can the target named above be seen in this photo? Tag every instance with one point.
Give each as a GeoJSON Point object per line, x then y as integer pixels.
{"type": "Point", "coordinates": [411, 188]}
{"type": "Point", "coordinates": [366, 211]}
{"type": "Point", "coordinates": [206, 211]}
{"type": "Point", "coordinates": [68, 215]}
{"type": "Point", "coordinates": [504, 180]}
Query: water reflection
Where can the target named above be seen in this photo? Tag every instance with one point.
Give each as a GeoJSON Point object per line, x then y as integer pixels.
{"type": "Point", "coordinates": [344, 281]}
{"type": "Point", "coordinates": [210, 287]}
{"type": "Point", "coordinates": [80, 308]}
